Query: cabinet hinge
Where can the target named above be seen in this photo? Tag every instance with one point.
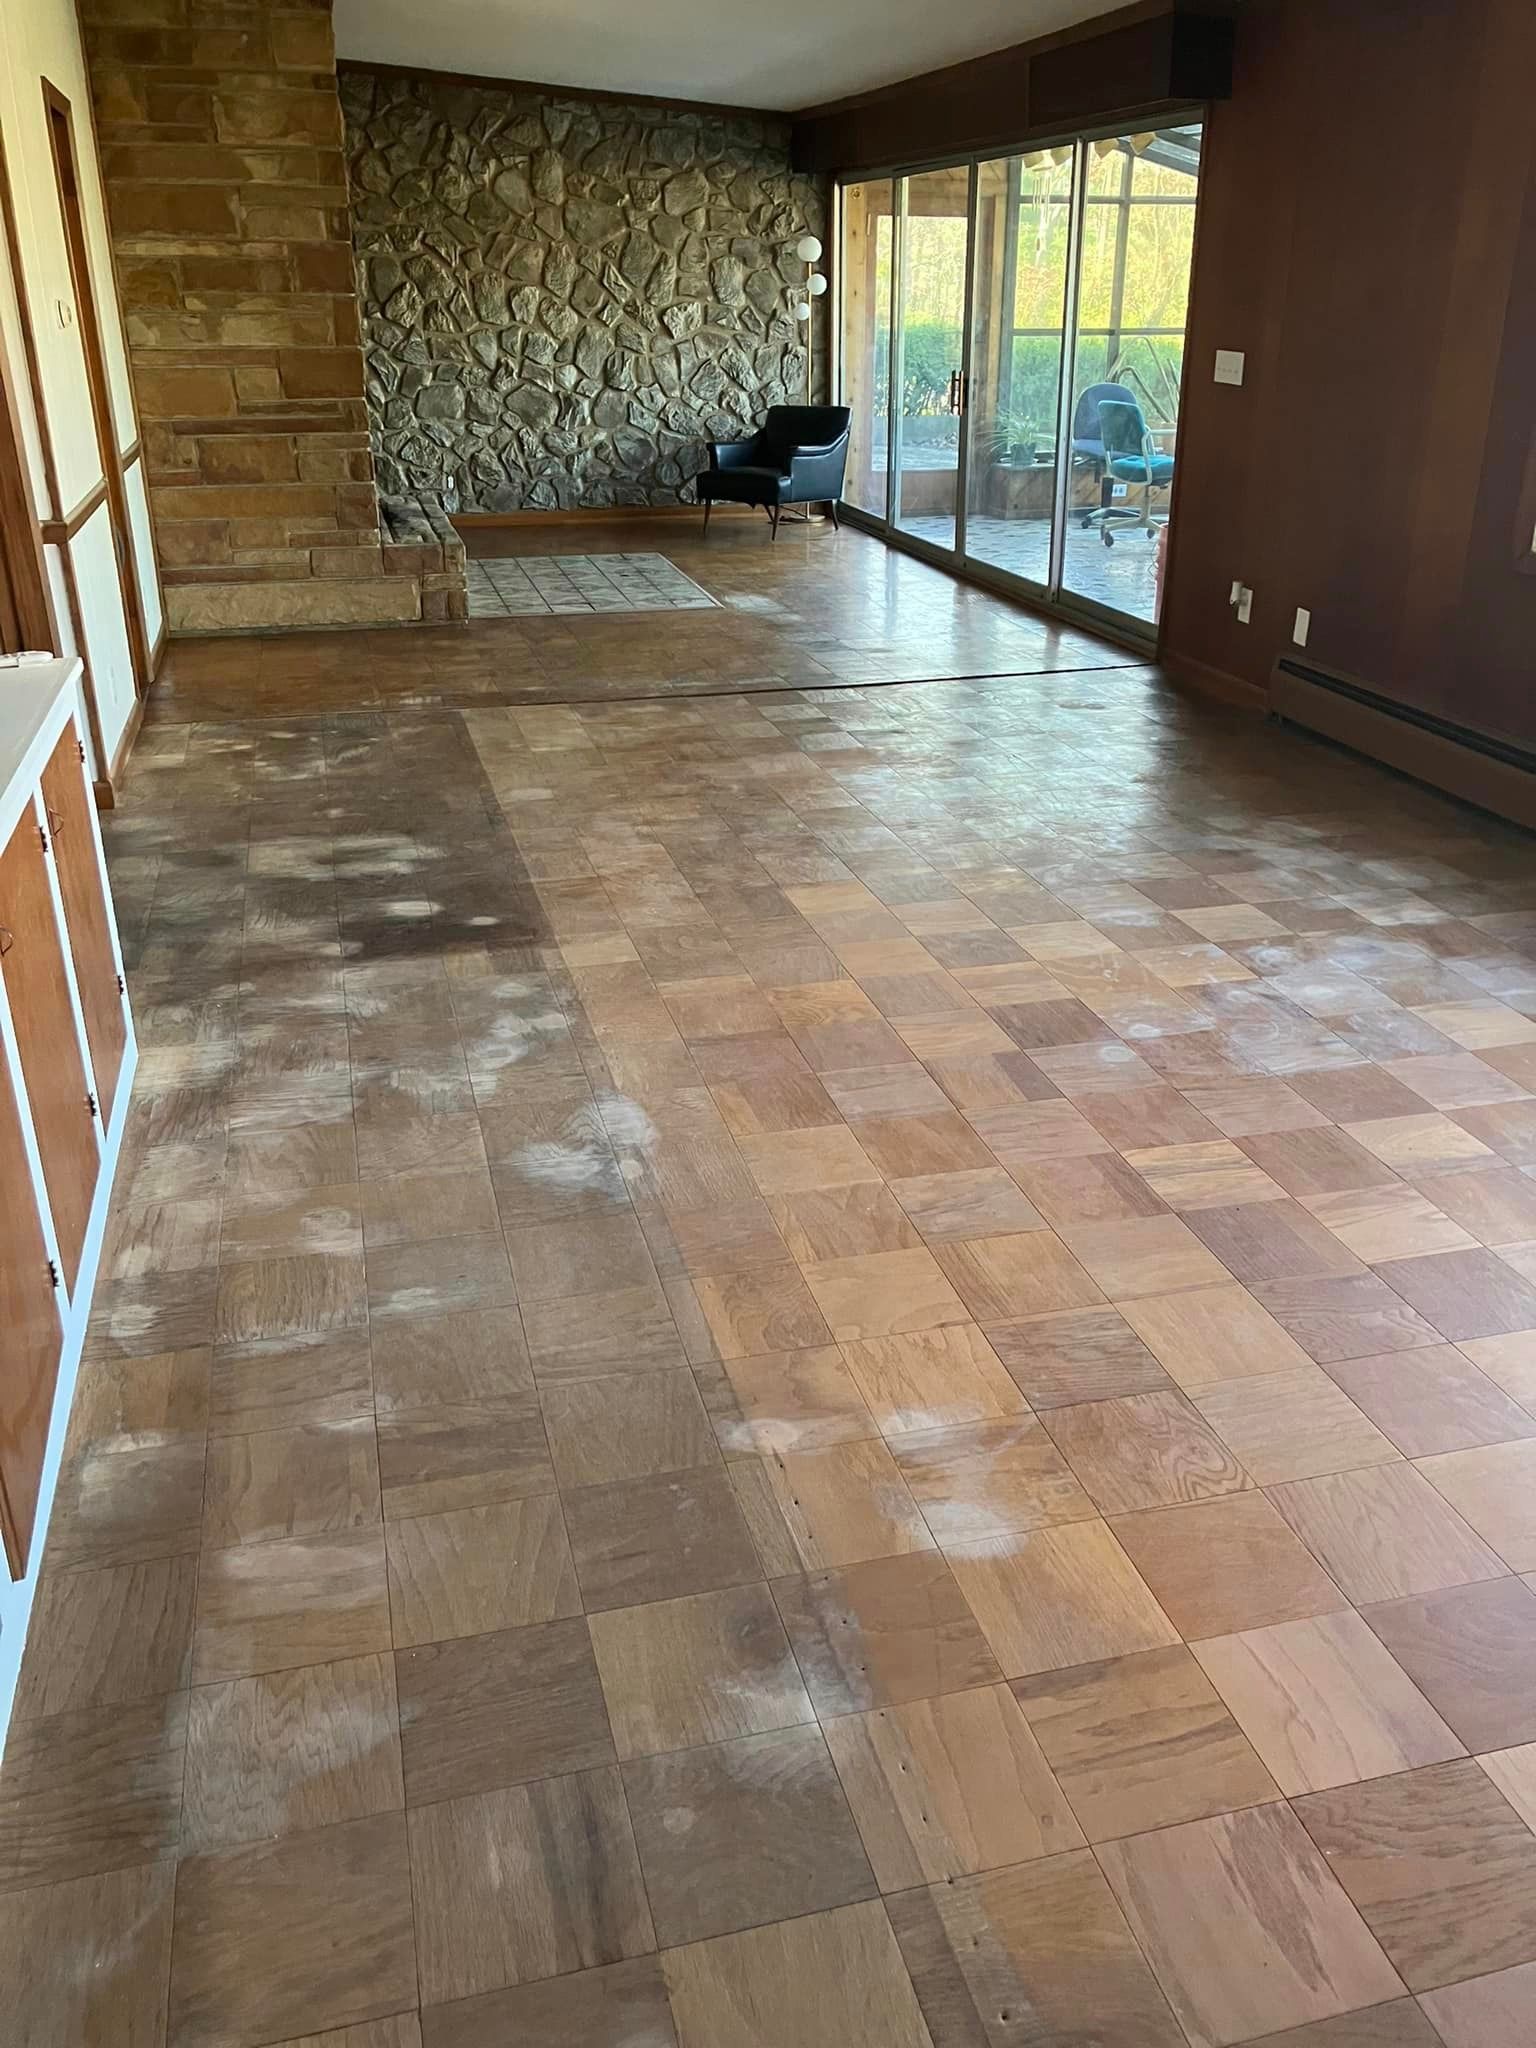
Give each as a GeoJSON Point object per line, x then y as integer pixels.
{"type": "Point", "coordinates": [53, 1274]}
{"type": "Point", "coordinates": [90, 1103]}
{"type": "Point", "coordinates": [80, 750]}
{"type": "Point", "coordinates": [43, 836]}
{"type": "Point", "coordinates": [122, 986]}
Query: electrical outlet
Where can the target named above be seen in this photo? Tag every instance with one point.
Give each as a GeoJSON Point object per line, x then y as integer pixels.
{"type": "Point", "coordinates": [1302, 627]}
{"type": "Point", "coordinates": [1229, 366]}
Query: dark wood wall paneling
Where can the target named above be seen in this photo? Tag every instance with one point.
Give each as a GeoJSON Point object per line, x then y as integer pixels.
{"type": "Point", "coordinates": [1368, 237]}
{"type": "Point", "coordinates": [1134, 64]}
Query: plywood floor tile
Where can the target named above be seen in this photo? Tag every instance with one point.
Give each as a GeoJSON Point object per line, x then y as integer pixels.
{"type": "Point", "coordinates": [947, 1786]}
{"type": "Point", "coordinates": [488, 1710]}
{"type": "Point", "coordinates": [476, 1569]}
{"type": "Point", "coordinates": [808, 1510]}
{"type": "Point", "coordinates": [279, 1606]}
{"type": "Point", "coordinates": [1079, 1355]}
{"type": "Point", "coordinates": [703, 1669]}
{"type": "Point", "coordinates": [1494, 1489]}
{"type": "Point", "coordinates": [87, 1961]}
{"type": "Point", "coordinates": [1142, 1742]}
{"type": "Point", "coordinates": [1441, 1866]}
{"type": "Point", "coordinates": [1433, 1399]}
{"type": "Point", "coordinates": [879, 1633]}
{"type": "Point", "coordinates": [1292, 1425]}
{"type": "Point", "coordinates": [1496, 2011]}
{"type": "Point", "coordinates": [1222, 1565]}
{"type": "Point", "coordinates": [311, 1930]}
{"type": "Point", "coordinates": [1471, 1650]}
{"type": "Point", "coordinates": [742, 1833]}
{"type": "Point", "coordinates": [626, 1427]}
{"type": "Point", "coordinates": [783, 1401]}
{"type": "Point", "coordinates": [931, 1379]}
{"type": "Point", "coordinates": [616, 2005]}
{"type": "Point", "coordinates": [883, 1293]}
{"type": "Point", "coordinates": [818, 1981]}
{"type": "Point", "coordinates": [1054, 1597]}
{"type": "Point", "coordinates": [90, 1791]}
{"type": "Point", "coordinates": [1237, 1961]}
{"type": "Point", "coordinates": [1384, 1533]}
{"type": "Point", "coordinates": [1212, 1333]}
{"type": "Point", "coordinates": [525, 1882]}
{"type": "Point", "coordinates": [1143, 1451]}
{"type": "Point", "coordinates": [658, 1538]}
{"type": "Point", "coordinates": [1324, 1703]}
{"type": "Point", "coordinates": [1039, 1944]}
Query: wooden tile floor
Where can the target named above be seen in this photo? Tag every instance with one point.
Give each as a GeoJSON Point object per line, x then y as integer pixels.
{"type": "Point", "coordinates": [818, 1367]}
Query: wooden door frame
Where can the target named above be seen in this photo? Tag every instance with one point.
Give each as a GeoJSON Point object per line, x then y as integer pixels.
{"type": "Point", "coordinates": [54, 506]}
{"type": "Point", "coordinates": [21, 538]}
{"type": "Point", "coordinates": [66, 167]}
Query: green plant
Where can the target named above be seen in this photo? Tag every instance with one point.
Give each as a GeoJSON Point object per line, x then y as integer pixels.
{"type": "Point", "coordinates": [1012, 430]}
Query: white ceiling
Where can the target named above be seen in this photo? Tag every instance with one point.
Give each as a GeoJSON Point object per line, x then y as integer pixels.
{"type": "Point", "coordinates": [752, 53]}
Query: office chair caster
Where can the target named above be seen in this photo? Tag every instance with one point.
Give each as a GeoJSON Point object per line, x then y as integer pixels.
{"type": "Point", "coordinates": [1109, 538]}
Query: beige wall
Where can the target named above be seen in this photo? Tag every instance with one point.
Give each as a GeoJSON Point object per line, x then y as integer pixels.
{"type": "Point", "coordinates": [39, 39]}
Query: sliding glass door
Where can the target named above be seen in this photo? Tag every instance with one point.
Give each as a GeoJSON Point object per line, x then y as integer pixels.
{"type": "Point", "coordinates": [934, 238]}
{"type": "Point", "coordinates": [1018, 312]}
{"type": "Point", "coordinates": [868, 250]}
{"type": "Point", "coordinates": [1012, 348]}
{"type": "Point", "coordinates": [1138, 233]}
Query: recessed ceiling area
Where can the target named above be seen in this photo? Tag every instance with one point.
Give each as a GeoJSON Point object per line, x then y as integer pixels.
{"type": "Point", "coordinates": [785, 54]}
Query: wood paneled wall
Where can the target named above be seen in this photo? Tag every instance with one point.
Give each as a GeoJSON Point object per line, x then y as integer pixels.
{"type": "Point", "coordinates": [1368, 237]}
{"type": "Point", "coordinates": [1136, 63]}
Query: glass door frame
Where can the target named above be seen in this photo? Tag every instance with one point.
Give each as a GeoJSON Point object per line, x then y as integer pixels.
{"type": "Point", "coordinates": [1052, 598]}
{"type": "Point", "coordinates": [954, 555]}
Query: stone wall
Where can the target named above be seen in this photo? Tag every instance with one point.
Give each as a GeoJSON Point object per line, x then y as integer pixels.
{"type": "Point", "coordinates": [221, 154]}
{"type": "Point", "coordinates": [564, 298]}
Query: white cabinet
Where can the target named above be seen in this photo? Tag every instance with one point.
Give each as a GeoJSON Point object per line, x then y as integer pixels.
{"type": "Point", "coordinates": [66, 1064]}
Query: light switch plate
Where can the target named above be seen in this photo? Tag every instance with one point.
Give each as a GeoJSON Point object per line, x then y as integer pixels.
{"type": "Point", "coordinates": [1302, 627]}
{"type": "Point", "coordinates": [1229, 366]}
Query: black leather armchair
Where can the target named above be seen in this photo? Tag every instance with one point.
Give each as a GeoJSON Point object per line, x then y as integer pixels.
{"type": "Point", "coordinates": [797, 457]}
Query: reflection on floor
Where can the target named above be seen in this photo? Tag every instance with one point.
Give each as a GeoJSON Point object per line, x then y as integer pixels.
{"type": "Point", "coordinates": [813, 607]}
{"type": "Point", "coordinates": [841, 1366]}
{"type": "Point", "coordinates": [1122, 577]}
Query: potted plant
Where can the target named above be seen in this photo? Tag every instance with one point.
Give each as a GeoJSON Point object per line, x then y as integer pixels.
{"type": "Point", "coordinates": [1014, 439]}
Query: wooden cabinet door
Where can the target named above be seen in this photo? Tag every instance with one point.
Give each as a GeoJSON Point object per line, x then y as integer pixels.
{"type": "Point", "coordinates": [37, 983]}
{"type": "Point", "coordinates": [29, 1338]}
{"type": "Point", "coordinates": [86, 913]}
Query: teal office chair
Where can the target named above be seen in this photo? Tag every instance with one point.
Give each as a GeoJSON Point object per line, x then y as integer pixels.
{"type": "Point", "coordinates": [1130, 457]}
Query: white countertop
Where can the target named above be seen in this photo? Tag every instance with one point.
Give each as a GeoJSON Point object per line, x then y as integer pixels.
{"type": "Point", "coordinates": [35, 702]}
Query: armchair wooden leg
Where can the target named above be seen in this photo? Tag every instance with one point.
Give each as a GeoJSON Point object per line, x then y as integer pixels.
{"type": "Point", "coordinates": [708, 507]}
{"type": "Point", "coordinates": [837, 524]}
{"type": "Point", "coordinates": [773, 514]}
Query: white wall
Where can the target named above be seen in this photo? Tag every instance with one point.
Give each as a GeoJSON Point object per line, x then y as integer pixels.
{"type": "Point", "coordinates": [40, 39]}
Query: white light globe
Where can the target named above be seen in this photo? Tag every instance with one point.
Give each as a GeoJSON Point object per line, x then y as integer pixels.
{"type": "Point", "coordinates": [802, 311]}
{"type": "Point", "coordinates": [807, 248]}
{"type": "Point", "coordinates": [816, 284]}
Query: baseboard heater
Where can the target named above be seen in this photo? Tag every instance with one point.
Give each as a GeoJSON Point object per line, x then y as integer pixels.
{"type": "Point", "coordinates": [1479, 767]}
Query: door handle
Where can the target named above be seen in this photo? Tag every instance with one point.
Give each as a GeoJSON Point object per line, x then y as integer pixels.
{"type": "Point", "coordinates": [7, 940]}
{"type": "Point", "coordinates": [55, 821]}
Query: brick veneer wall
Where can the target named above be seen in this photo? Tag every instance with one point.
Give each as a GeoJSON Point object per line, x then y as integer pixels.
{"type": "Point", "coordinates": [221, 145]}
